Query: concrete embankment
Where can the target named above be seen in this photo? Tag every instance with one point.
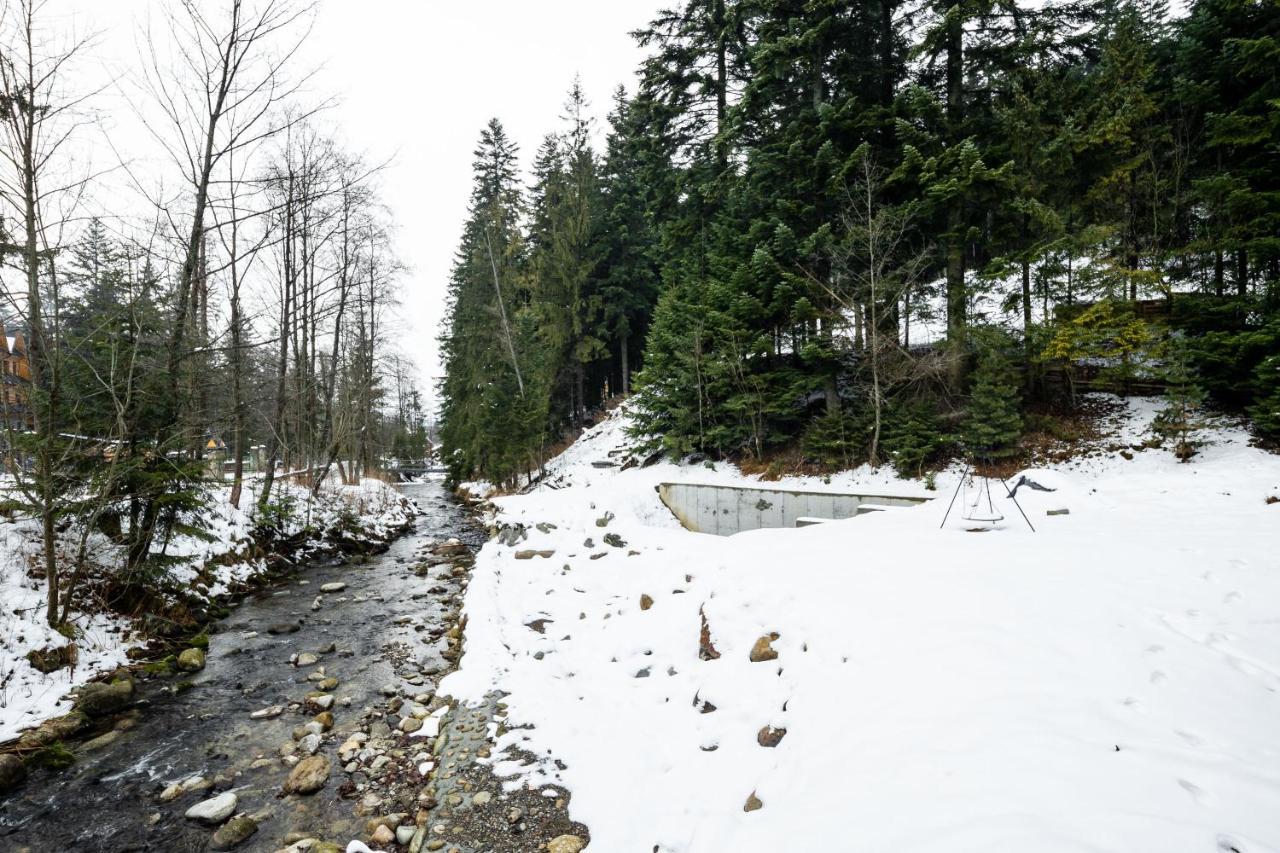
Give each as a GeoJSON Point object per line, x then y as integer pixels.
{"type": "Point", "coordinates": [725, 510]}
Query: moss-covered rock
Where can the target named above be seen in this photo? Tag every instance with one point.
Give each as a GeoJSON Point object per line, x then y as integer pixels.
{"type": "Point", "coordinates": [59, 728]}
{"type": "Point", "coordinates": [12, 772]}
{"type": "Point", "coordinates": [191, 660]}
{"type": "Point", "coordinates": [99, 700]}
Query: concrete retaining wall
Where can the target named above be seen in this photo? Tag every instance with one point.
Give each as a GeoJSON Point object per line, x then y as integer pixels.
{"type": "Point", "coordinates": [725, 510]}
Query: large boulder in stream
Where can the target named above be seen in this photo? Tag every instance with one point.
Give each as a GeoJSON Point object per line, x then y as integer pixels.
{"type": "Point", "coordinates": [214, 810]}
{"type": "Point", "coordinates": [99, 700]}
{"type": "Point", "coordinates": [12, 772]}
{"type": "Point", "coordinates": [191, 660]}
{"type": "Point", "coordinates": [308, 775]}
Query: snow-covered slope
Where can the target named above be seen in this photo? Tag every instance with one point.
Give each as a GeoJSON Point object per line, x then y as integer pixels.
{"type": "Point", "coordinates": [1107, 683]}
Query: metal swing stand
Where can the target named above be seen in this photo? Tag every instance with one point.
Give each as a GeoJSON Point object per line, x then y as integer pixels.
{"type": "Point", "coordinates": [967, 469]}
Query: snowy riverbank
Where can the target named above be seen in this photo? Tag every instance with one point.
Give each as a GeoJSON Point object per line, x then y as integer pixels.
{"type": "Point", "coordinates": [1107, 683]}
{"type": "Point", "coordinates": [226, 562]}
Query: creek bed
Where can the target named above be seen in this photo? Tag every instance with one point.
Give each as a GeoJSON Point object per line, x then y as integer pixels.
{"type": "Point", "coordinates": [380, 626]}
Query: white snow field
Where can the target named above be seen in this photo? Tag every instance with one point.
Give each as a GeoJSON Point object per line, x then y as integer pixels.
{"type": "Point", "coordinates": [1108, 683]}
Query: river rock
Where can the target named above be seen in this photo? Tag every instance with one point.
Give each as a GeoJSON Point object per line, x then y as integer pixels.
{"type": "Point", "coordinates": [98, 700]}
{"type": "Point", "coordinates": [646, 601]}
{"type": "Point", "coordinates": [308, 776]}
{"type": "Point", "coordinates": [763, 649]}
{"type": "Point", "coordinates": [102, 740]}
{"type": "Point", "coordinates": [59, 728]}
{"type": "Point", "coordinates": [213, 810]}
{"type": "Point", "coordinates": [410, 725]}
{"type": "Point", "coordinates": [753, 803]}
{"type": "Point", "coordinates": [233, 833]}
{"type": "Point", "coordinates": [336, 586]}
{"type": "Point", "coordinates": [306, 659]}
{"type": "Point", "coordinates": [320, 701]}
{"type": "Point", "coordinates": [267, 713]}
{"type": "Point", "coordinates": [404, 834]}
{"type": "Point", "coordinates": [310, 744]}
{"type": "Point", "coordinates": [329, 683]}
{"type": "Point", "coordinates": [770, 737]}
{"type": "Point", "coordinates": [186, 786]}
{"type": "Point", "coordinates": [12, 772]}
{"type": "Point", "coordinates": [191, 660]}
{"type": "Point", "coordinates": [565, 844]}
{"type": "Point", "coordinates": [481, 798]}
{"type": "Point", "coordinates": [325, 719]}
{"type": "Point", "coordinates": [383, 835]}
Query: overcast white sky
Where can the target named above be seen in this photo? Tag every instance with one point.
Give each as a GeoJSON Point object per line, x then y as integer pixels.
{"type": "Point", "coordinates": [419, 78]}
{"type": "Point", "coordinates": [416, 80]}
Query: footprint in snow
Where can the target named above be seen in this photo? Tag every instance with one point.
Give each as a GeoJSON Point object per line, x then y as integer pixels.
{"type": "Point", "coordinates": [1189, 738]}
{"type": "Point", "coordinates": [1197, 793]}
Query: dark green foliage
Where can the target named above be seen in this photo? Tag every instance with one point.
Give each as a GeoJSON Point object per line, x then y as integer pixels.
{"type": "Point", "coordinates": [1226, 362]}
{"type": "Point", "coordinates": [54, 756]}
{"type": "Point", "coordinates": [491, 406]}
{"type": "Point", "coordinates": [1098, 168]}
{"type": "Point", "coordinates": [993, 424]}
{"type": "Point", "coordinates": [1266, 411]}
{"type": "Point", "coordinates": [838, 439]}
{"type": "Point", "coordinates": [914, 438]}
{"type": "Point", "coordinates": [275, 517]}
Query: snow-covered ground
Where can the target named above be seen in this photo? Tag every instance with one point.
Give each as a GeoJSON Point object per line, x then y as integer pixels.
{"type": "Point", "coordinates": [27, 696]}
{"type": "Point", "coordinates": [1107, 683]}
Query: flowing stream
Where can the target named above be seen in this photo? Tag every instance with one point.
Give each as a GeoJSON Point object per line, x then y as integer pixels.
{"type": "Point", "coordinates": [380, 627]}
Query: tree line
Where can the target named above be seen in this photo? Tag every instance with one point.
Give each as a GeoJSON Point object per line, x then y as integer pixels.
{"type": "Point", "coordinates": [877, 230]}
{"type": "Point", "coordinates": [240, 311]}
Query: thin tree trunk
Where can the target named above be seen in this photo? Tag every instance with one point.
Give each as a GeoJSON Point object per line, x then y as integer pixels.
{"type": "Point", "coordinates": [626, 368]}
{"type": "Point", "coordinates": [956, 296]}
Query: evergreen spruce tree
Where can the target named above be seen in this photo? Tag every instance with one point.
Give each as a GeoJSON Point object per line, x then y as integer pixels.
{"type": "Point", "coordinates": [993, 424]}
{"type": "Point", "coordinates": [1266, 410]}
{"type": "Point", "coordinates": [625, 243]}
{"type": "Point", "coordinates": [1179, 420]}
{"type": "Point", "coordinates": [1225, 66]}
{"type": "Point", "coordinates": [492, 406]}
{"type": "Point", "coordinates": [563, 264]}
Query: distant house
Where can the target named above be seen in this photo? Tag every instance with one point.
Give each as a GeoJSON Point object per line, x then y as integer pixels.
{"type": "Point", "coordinates": [15, 382]}
{"type": "Point", "coordinates": [215, 454]}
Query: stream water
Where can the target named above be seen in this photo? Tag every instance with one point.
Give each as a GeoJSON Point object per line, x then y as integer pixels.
{"type": "Point", "coordinates": [380, 626]}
